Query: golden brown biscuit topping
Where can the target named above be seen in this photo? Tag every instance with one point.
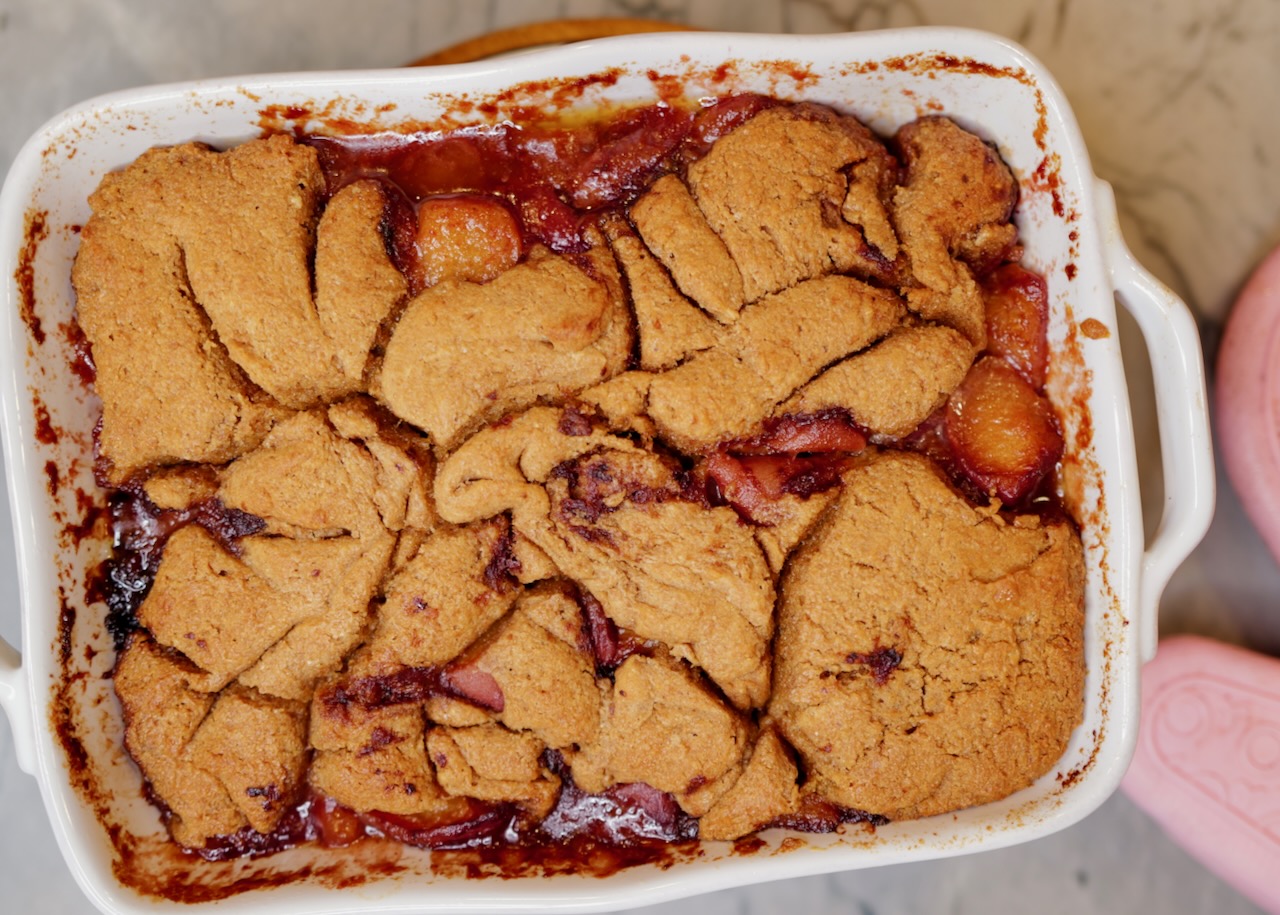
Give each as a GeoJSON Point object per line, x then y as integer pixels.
{"type": "Point", "coordinates": [463, 489]}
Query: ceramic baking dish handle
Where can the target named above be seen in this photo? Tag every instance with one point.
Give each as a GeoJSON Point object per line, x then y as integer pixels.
{"type": "Point", "coordinates": [1186, 448]}
{"type": "Point", "coordinates": [13, 699]}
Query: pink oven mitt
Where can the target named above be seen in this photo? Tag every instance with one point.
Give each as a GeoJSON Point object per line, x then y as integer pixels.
{"type": "Point", "coordinates": [1207, 765]}
{"type": "Point", "coordinates": [1247, 404]}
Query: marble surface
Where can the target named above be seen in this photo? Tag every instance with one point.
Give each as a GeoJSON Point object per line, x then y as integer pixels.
{"type": "Point", "coordinates": [1177, 103]}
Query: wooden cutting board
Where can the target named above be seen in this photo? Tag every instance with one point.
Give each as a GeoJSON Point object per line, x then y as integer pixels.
{"type": "Point", "coordinates": [538, 34]}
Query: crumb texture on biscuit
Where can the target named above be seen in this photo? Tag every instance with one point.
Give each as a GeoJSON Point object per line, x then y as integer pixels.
{"type": "Point", "coordinates": [776, 346]}
{"type": "Point", "coordinates": [619, 521]}
{"type": "Point", "coordinates": [928, 652]}
{"type": "Point", "coordinates": [953, 212]}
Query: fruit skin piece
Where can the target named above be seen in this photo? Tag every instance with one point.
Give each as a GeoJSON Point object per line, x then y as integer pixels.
{"type": "Point", "coordinates": [1018, 320]}
{"type": "Point", "coordinates": [1003, 433]}
{"type": "Point", "coordinates": [628, 156]}
{"type": "Point", "coordinates": [825, 431]}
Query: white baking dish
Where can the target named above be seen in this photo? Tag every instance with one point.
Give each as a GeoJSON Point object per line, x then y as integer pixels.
{"type": "Point", "coordinates": [1067, 222]}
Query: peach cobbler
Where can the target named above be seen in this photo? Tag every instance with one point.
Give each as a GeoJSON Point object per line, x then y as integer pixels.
{"type": "Point", "coordinates": [676, 475]}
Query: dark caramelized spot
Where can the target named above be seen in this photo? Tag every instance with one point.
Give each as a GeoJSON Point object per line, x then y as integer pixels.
{"type": "Point", "coordinates": [882, 662]}
{"type": "Point", "coordinates": [139, 531]}
{"type": "Point", "coordinates": [409, 684]}
{"type": "Point", "coordinates": [270, 793]}
{"type": "Point", "coordinates": [599, 486]}
{"type": "Point", "coordinates": [35, 231]}
{"type": "Point", "coordinates": [503, 566]}
{"type": "Point", "coordinates": [574, 422]}
{"type": "Point", "coordinates": [66, 626]}
{"type": "Point", "coordinates": [379, 739]}
{"type": "Point", "coordinates": [81, 362]}
{"type": "Point", "coordinates": [594, 535]}
{"type": "Point", "coordinates": [46, 432]}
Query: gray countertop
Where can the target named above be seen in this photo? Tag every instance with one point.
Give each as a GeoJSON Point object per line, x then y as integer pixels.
{"type": "Point", "coordinates": [1177, 102]}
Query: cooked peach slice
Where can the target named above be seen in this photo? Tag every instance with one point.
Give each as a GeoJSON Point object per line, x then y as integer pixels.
{"type": "Point", "coordinates": [625, 161]}
{"type": "Point", "coordinates": [1003, 433]}
{"type": "Point", "coordinates": [336, 825]}
{"type": "Point", "coordinates": [1018, 320]}
{"type": "Point", "coordinates": [466, 237]}
{"type": "Point", "coordinates": [609, 645]}
{"type": "Point", "coordinates": [467, 681]}
{"type": "Point", "coordinates": [795, 454]}
{"type": "Point", "coordinates": [751, 483]}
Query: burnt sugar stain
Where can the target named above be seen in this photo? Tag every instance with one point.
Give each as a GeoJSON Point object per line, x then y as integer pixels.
{"type": "Point", "coordinates": [46, 432]}
{"type": "Point", "coordinates": [35, 231]}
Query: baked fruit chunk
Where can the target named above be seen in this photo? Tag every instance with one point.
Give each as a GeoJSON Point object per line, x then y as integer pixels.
{"type": "Point", "coordinates": [1004, 434]}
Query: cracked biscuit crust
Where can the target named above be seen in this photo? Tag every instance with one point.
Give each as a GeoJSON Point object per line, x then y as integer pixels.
{"type": "Point", "coordinates": [616, 520]}
{"type": "Point", "coordinates": [775, 190]}
{"type": "Point", "coordinates": [465, 354]}
{"type": "Point", "coordinates": [928, 652]}
{"type": "Point", "coordinates": [574, 579]}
